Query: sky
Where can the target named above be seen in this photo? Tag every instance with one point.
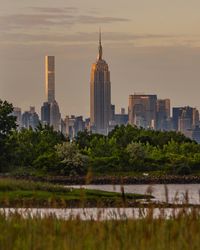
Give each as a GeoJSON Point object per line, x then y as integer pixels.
{"type": "Point", "coordinates": [152, 47]}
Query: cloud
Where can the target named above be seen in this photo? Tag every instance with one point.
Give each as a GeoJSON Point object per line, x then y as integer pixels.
{"type": "Point", "coordinates": [51, 17]}
{"type": "Point", "coordinates": [53, 10]}
{"type": "Point", "coordinates": [17, 21]}
{"type": "Point", "coordinates": [100, 20]}
{"type": "Point", "coordinates": [85, 37]}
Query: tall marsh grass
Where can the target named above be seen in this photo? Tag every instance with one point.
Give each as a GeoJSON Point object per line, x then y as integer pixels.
{"type": "Point", "coordinates": [51, 233]}
{"type": "Point", "coordinates": [180, 231]}
{"type": "Point", "coordinates": [8, 184]}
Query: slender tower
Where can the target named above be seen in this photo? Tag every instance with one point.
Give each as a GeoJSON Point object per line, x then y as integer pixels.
{"type": "Point", "coordinates": [50, 78]}
{"type": "Point", "coordinates": [100, 94]}
{"type": "Point", "coordinates": [50, 112]}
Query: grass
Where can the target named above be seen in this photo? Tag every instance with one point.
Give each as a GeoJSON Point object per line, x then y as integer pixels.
{"type": "Point", "coordinates": [37, 233]}
{"type": "Point", "coordinates": [21, 193]}
{"type": "Point", "coordinates": [180, 232]}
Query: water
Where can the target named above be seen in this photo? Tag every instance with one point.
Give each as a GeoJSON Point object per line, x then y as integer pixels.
{"type": "Point", "coordinates": [176, 192]}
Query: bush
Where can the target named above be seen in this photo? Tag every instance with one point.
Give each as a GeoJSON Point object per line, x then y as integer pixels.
{"type": "Point", "coordinates": [105, 164]}
{"type": "Point", "coordinates": [48, 162]}
{"type": "Point", "coordinates": [183, 170]}
{"type": "Point", "coordinates": [72, 162]}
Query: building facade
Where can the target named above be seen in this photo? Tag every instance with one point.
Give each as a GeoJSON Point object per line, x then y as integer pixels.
{"type": "Point", "coordinates": [45, 113]}
{"type": "Point", "coordinates": [50, 112]}
{"type": "Point", "coordinates": [100, 95]}
{"type": "Point", "coordinates": [30, 119]}
{"type": "Point", "coordinates": [142, 110]}
{"type": "Point", "coordinates": [73, 125]}
{"type": "Point", "coordinates": [55, 116]}
{"type": "Point", "coordinates": [185, 118]}
{"type": "Point", "coordinates": [163, 115]}
{"type": "Point", "coordinates": [50, 78]}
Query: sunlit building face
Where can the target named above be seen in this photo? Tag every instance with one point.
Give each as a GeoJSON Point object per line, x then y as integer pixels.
{"type": "Point", "coordinates": [50, 78]}
{"type": "Point", "coordinates": [100, 95]}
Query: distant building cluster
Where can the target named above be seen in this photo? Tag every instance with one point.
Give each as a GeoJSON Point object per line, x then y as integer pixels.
{"type": "Point", "coordinates": [146, 111]}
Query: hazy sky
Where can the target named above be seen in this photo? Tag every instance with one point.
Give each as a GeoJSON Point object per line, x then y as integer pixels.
{"type": "Point", "coordinates": [150, 46]}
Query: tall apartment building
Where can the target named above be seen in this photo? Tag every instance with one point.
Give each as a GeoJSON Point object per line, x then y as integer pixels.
{"type": "Point", "coordinates": [122, 118]}
{"type": "Point", "coordinates": [55, 116]}
{"type": "Point", "coordinates": [185, 118]}
{"type": "Point", "coordinates": [30, 119]}
{"type": "Point", "coordinates": [50, 112]}
{"type": "Point", "coordinates": [45, 113]}
{"type": "Point", "coordinates": [163, 114]}
{"type": "Point", "coordinates": [73, 125]}
{"type": "Point", "coordinates": [50, 78]}
{"type": "Point", "coordinates": [142, 110]}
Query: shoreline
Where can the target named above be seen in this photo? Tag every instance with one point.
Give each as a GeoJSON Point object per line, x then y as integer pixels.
{"type": "Point", "coordinates": [93, 204]}
{"type": "Point", "coordinates": [112, 180]}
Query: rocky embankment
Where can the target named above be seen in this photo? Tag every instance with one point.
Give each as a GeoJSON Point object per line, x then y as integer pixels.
{"type": "Point", "coordinates": [168, 179]}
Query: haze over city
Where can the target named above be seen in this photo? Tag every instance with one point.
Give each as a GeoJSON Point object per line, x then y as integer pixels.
{"type": "Point", "coordinates": [151, 47]}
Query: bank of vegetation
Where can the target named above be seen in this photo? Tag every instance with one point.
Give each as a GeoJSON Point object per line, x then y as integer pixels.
{"type": "Point", "coordinates": [28, 194]}
{"type": "Point", "coordinates": [127, 150]}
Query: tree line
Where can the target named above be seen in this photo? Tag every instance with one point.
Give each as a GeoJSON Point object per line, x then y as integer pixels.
{"type": "Point", "coordinates": [127, 149]}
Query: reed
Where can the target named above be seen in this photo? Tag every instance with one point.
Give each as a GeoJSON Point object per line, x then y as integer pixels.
{"type": "Point", "coordinates": [51, 233]}
{"type": "Point", "coordinates": [25, 230]}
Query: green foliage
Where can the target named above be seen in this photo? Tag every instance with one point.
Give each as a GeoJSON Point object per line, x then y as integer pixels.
{"type": "Point", "coordinates": [47, 162]}
{"type": "Point", "coordinates": [183, 170]}
{"type": "Point", "coordinates": [28, 145]}
{"type": "Point", "coordinates": [105, 164]}
{"type": "Point", "coordinates": [72, 162]}
{"type": "Point", "coordinates": [22, 193]}
{"type": "Point", "coordinates": [7, 121]}
{"type": "Point", "coordinates": [7, 124]}
{"type": "Point", "coordinates": [126, 148]}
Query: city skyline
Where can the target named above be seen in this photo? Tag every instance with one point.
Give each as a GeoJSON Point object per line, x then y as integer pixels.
{"type": "Point", "coordinates": [147, 48]}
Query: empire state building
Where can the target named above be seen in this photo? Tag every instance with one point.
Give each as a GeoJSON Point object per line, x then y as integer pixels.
{"type": "Point", "coordinates": [100, 94]}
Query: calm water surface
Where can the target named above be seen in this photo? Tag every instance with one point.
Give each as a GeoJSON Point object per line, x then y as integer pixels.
{"type": "Point", "coordinates": [176, 192]}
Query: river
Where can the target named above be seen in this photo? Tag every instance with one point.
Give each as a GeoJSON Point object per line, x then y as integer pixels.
{"type": "Point", "coordinates": [176, 193]}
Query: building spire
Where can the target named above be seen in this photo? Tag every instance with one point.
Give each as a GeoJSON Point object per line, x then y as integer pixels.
{"type": "Point", "coordinates": [100, 46]}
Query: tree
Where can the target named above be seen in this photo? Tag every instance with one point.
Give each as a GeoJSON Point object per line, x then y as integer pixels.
{"type": "Point", "coordinates": [7, 121]}
{"type": "Point", "coordinates": [72, 161]}
{"type": "Point", "coordinates": [7, 124]}
{"type": "Point", "coordinates": [28, 145]}
{"type": "Point", "coordinates": [137, 155]}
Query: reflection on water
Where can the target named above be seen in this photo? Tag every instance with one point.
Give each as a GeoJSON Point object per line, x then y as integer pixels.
{"type": "Point", "coordinates": [176, 192]}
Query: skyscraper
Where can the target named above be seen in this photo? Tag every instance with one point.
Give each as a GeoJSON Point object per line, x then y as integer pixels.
{"type": "Point", "coordinates": [50, 78]}
{"type": "Point", "coordinates": [142, 110]}
{"type": "Point", "coordinates": [45, 113]}
{"type": "Point", "coordinates": [185, 118]}
{"type": "Point", "coordinates": [30, 119]}
{"type": "Point", "coordinates": [55, 116]}
{"type": "Point", "coordinates": [100, 94]}
{"type": "Point", "coordinates": [163, 114]}
{"type": "Point", "coordinates": [17, 112]}
{"type": "Point", "coordinates": [50, 112]}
